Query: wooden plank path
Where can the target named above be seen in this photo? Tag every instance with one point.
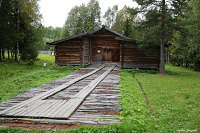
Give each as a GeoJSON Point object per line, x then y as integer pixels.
{"type": "Point", "coordinates": [49, 93]}
{"type": "Point", "coordinates": [99, 106]}
{"type": "Point", "coordinates": [39, 107]}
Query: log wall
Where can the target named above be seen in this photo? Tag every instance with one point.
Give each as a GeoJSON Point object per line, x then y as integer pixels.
{"type": "Point", "coordinates": [133, 57]}
{"type": "Point", "coordinates": [69, 53]}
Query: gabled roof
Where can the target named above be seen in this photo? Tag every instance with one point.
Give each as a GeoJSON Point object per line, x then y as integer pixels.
{"type": "Point", "coordinates": [120, 36]}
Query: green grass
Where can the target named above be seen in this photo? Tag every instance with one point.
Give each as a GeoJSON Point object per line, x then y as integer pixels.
{"type": "Point", "coordinates": [174, 101]}
{"type": "Point", "coordinates": [17, 78]}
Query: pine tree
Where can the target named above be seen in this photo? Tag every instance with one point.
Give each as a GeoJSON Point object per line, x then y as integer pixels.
{"type": "Point", "coordinates": [165, 12]}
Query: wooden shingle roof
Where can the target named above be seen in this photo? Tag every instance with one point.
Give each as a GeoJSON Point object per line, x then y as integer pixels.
{"type": "Point", "coordinates": [120, 36]}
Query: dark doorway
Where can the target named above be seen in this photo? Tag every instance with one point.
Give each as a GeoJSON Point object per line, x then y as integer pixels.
{"type": "Point", "coordinates": [111, 55]}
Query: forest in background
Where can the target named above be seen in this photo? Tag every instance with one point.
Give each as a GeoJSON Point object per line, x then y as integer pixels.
{"type": "Point", "coordinates": [174, 25]}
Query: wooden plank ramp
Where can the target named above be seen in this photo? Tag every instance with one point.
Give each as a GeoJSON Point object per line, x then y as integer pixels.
{"type": "Point", "coordinates": [41, 107]}
{"type": "Point", "coordinates": [49, 93]}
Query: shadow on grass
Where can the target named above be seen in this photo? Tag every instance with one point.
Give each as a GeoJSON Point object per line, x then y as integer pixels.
{"type": "Point", "coordinates": [136, 71]}
{"type": "Point", "coordinates": [168, 72]}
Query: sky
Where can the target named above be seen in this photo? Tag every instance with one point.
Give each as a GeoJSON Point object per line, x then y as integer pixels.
{"type": "Point", "coordinates": [54, 12]}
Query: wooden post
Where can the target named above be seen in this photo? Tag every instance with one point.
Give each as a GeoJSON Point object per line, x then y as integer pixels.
{"type": "Point", "coordinates": [81, 53]}
{"type": "Point", "coordinates": [121, 53]}
{"type": "Point", "coordinates": [90, 52]}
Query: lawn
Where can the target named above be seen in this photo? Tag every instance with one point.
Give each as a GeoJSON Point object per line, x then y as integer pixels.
{"type": "Point", "coordinates": [173, 98]}
{"type": "Point", "coordinates": [17, 78]}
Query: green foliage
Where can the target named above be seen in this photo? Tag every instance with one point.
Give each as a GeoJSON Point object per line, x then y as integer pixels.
{"type": "Point", "coordinates": [185, 45]}
{"type": "Point", "coordinates": [20, 28]}
{"type": "Point", "coordinates": [110, 16]}
{"type": "Point", "coordinates": [50, 34]}
{"type": "Point", "coordinates": [83, 18]}
{"type": "Point", "coordinates": [125, 22]}
{"type": "Point", "coordinates": [194, 30]}
{"type": "Point", "coordinates": [16, 78]}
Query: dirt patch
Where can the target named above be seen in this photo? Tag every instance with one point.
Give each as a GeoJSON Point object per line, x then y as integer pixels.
{"type": "Point", "coordinates": [45, 126]}
{"type": "Point", "coordinates": [85, 71]}
{"type": "Point", "coordinates": [34, 125]}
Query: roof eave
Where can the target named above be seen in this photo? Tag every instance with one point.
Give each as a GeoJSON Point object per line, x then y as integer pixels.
{"type": "Point", "coordinates": [125, 39]}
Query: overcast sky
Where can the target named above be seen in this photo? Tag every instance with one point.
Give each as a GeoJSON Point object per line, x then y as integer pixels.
{"type": "Point", "coordinates": [55, 12]}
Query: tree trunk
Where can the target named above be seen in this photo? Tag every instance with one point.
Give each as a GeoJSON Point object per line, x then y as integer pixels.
{"type": "Point", "coordinates": [3, 53]}
{"type": "Point", "coordinates": [0, 56]}
{"type": "Point", "coordinates": [8, 54]}
{"type": "Point", "coordinates": [162, 58]}
{"type": "Point", "coordinates": [162, 47]}
{"type": "Point", "coordinates": [186, 65]}
{"type": "Point", "coordinates": [197, 66]}
{"type": "Point", "coordinates": [16, 55]}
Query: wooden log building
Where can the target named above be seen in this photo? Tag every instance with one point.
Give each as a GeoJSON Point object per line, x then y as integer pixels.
{"type": "Point", "coordinates": [104, 45]}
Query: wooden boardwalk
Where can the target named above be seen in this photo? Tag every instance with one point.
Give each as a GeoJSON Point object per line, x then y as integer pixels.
{"type": "Point", "coordinates": [90, 96]}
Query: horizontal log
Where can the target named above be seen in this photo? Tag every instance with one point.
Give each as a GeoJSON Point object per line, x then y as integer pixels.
{"type": "Point", "coordinates": [69, 47]}
{"type": "Point", "coordinates": [141, 57]}
{"type": "Point", "coordinates": [68, 59]}
{"type": "Point", "coordinates": [70, 42]}
{"type": "Point", "coordinates": [68, 50]}
{"type": "Point", "coordinates": [68, 54]}
{"type": "Point", "coordinates": [69, 64]}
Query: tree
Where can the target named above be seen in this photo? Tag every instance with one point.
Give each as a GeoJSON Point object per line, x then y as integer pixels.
{"type": "Point", "coordinates": [19, 18]}
{"type": "Point", "coordinates": [185, 45]}
{"type": "Point", "coordinates": [193, 20]}
{"type": "Point", "coordinates": [29, 27]}
{"type": "Point", "coordinates": [124, 22]}
{"type": "Point", "coordinates": [164, 13]}
{"type": "Point", "coordinates": [94, 15]}
{"type": "Point", "coordinates": [82, 19]}
{"type": "Point", "coordinates": [110, 16]}
{"type": "Point", "coordinates": [50, 34]}
{"type": "Point", "coordinates": [6, 9]}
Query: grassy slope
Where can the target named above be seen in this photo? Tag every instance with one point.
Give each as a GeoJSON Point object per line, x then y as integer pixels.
{"type": "Point", "coordinates": [174, 100]}
{"type": "Point", "coordinates": [17, 78]}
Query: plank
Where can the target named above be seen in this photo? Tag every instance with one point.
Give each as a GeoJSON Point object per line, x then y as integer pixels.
{"type": "Point", "coordinates": [80, 96]}
{"type": "Point", "coordinates": [63, 107]}
{"type": "Point", "coordinates": [41, 109]}
{"type": "Point", "coordinates": [35, 105]}
{"type": "Point", "coordinates": [50, 92]}
{"type": "Point", "coordinates": [24, 109]}
{"type": "Point", "coordinates": [59, 105]}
